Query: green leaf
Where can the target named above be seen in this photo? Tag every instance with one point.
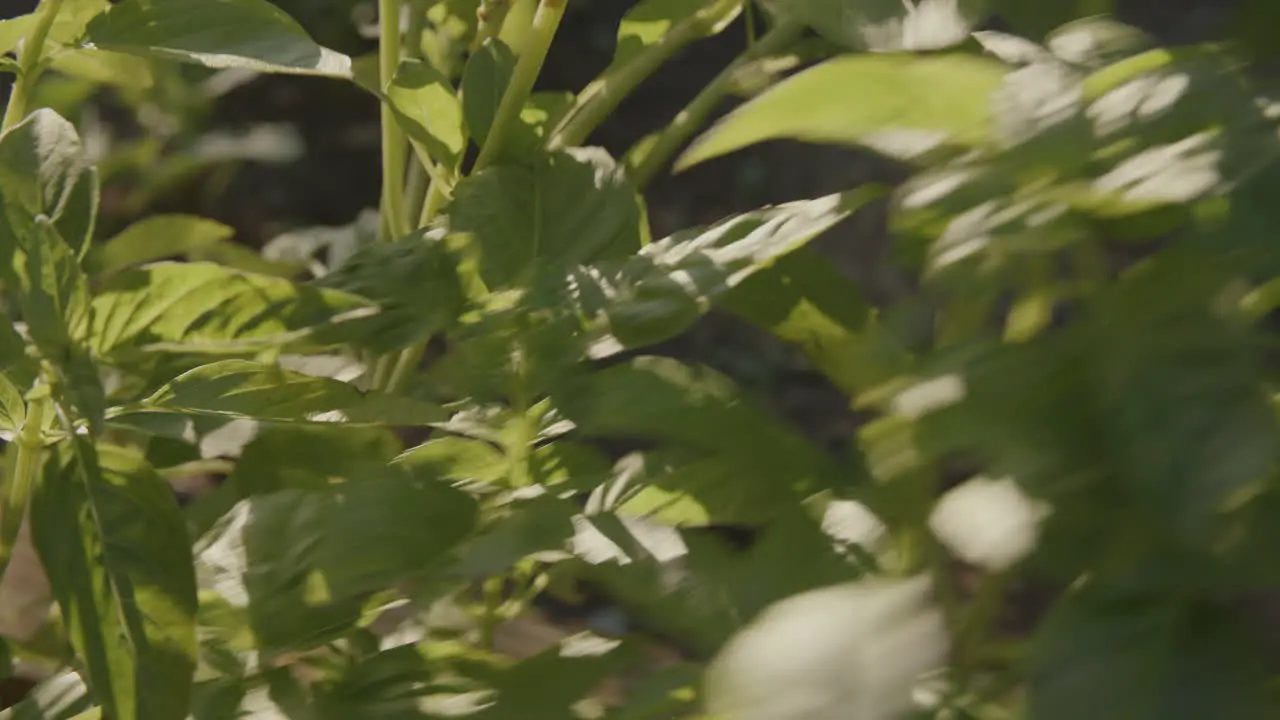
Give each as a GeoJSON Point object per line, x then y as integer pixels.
{"type": "Point", "coordinates": [261, 391]}
{"type": "Point", "coordinates": [72, 17]}
{"type": "Point", "coordinates": [902, 105]}
{"type": "Point", "coordinates": [887, 25]}
{"type": "Point", "coordinates": [203, 307]}
{"type": "Point", "coordinates": [43, 171]}
{"type": "Point", "coordinates": [1034, 20]}
{"type": "Point", "coordinates": [118, 557]}
{"type": "Point", "coordinates": [1112, 657]}
{"type": "Point", "coordinates": [250, 34]}
{"type": "Point", "coordinates": [302, 560]}
{"type": "Point", "coordinates": [12, 408]}
{"type": "Point", "coordinates": [155, 238]}
{"type": "Point", "coordinates": [413, 280]}
{"type": "Point", "coordinates": [384, 686]}
{"type": "Point", "coordinates": [663, 399]}
{"type": "Point", "coordinates": [660, 292]}
{"type": "Point", "coordinates": [308, 456]}
{"type": "Point", "coordinates": [262, 560]}
{"type": "Point", "coordinates": [427, 108]}
{"type": "Point", "coordinates": [570, 208]}
{"type": "Point", "coordinates": [484, 80]}
{"type": "Point", "coordinates": [552, 681]}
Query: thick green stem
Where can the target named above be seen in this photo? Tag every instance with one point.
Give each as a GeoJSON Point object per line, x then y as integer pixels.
{"type": "Point", "coordinates": [489, 18]}
{"type": "Point", "coordinates": [594, 104]}
{"type": "Point", "coordinates": [545, 22]}
{"type": "Point", "coordinates": [695, 114]}
{"type": "Point", "coordinates": [394, 145]}
{"type": "Point", "coordinates": [27, 464]}
{"type": "Point", "coordinates": [29, 63]}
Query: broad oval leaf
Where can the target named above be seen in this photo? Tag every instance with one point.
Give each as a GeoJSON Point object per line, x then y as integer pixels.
{"type": "Point", "coordinates": [427, 108]}
{"type": "Point", "coordinates": [119, 560]}
{"type": "Point", "coordinates": [484, 80]}
{"type": "Point", "coordinates": [902, 105]}
{"type": "Point", "coordinates": [569, 208]}
{"type": "Point", "coordinates": [260, 391]}
{"type": "Point", "coordinates": [250, 34]}
{"type": "Point", "coordinates": [203, 307]}
{"type": "Point", "coordinates": [43, 171]}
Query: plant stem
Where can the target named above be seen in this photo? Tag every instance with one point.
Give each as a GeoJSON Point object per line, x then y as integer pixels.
{"type": "Point", "coordinates": [489, 18]}
{"type": "Point", "coordinates": [26, 466]}
{"type": "Point", "coordinates": [594, 104]}
{"type": "Point", "coordinates": [528, 66]}
{"type": "Point", "coordinates": [695, 114]}
{"type": "Point", "coordinates": [394, 146]}
{"type": "Point", "coordinates": [29, 63]}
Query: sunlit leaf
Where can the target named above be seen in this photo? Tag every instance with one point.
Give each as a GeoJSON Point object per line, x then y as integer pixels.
{"type": "Point", "coordinates": [203, 307]}
{"type": "Point", "coordinates": [427, 107]}
{"type": "Point", "coordinates": [261, 391]}
{"type": "Point", "coordinates": [250, 34]}
{"type": "Point", "coordinates": [867, 100]}
{"type": "Point", "coordinates": [155, 238]}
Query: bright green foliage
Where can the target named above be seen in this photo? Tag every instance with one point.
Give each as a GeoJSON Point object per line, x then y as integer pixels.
{"type": "Point", "coordinates": [1087, 241]}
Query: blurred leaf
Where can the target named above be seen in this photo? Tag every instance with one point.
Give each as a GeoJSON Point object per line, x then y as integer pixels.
{"type": "Point", "coordinates": [484, 80]}
{"type": "Point", "coordinates": [385, 686]}
{"type": "Point", "coordinates": [662, 399]}
{"type": "Point", "coordinates": [427, 108]}
{"type": "Point", "coordinates": [570, 208]}
{"type": "Point", "coordinates": [865, 100]}
{"type": "Point", "coordinates": [458, 459]}
{"type": "Point", "coordinates": [203, 307]}
{"type": "Point", "coordinates": [309, 457]}
{"type": "Point", "coordinates": [250, 34]}
{"type": "Point", "coordinates": [661, 291]}
{"type": "Point", "coordinates": [155, 238]}
{"type": "Point", "coordinates": [414, 281]}
{"type": "Point", "coordinates": [1035, 19]}
{"type": "Point", "coordinates": [261, 391]}
{"type": "Point", "coordinates": [1102, 656]}
{"type": "Point", "coordinates": [123, 578]}
{"type": "Point", "coordinates": [302, 560]}
{"type": "Point", "coordinates": [887, 25]}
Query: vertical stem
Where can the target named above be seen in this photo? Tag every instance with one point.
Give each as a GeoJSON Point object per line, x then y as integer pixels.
{"type": "Point", "coordinates": [29, 63]}
{"type": "Point", "coordinates": [28, 463]}
{"type": "Point", "coordinates": [394, 145]}
{"type": "Point", "coordinates": [594, 104]}
{"type": "Point", "coordinates": [695, 114]}
{"type": "Point", "coordinates": [545, 22]}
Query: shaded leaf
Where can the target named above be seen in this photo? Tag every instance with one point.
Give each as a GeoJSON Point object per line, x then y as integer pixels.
{"type": "Point", "coordinates": [1106, 656]}
{"type": "Point", "coordinates": [123, 578]}
{"type": "Point", "coordinates": [484, 80]}
{"type": "Point", "coordinates": [663, 399]}
{"type": "Point", "coordinates": [867, 100]}
{"type": "Point", "coordinates": [413, 280]}
{"type": "Point", "coordinates": [12, 408]}
{"type": "Point", "coordinates": [570, 208]}
{"type": "Point", "coordinates": [300, 561]}
{"type": "Point", "coordinates": [250, 34]}
{"type": "Point", "coordinates": [309, 456]}
{"type": "Point", "coordinates": [260, 391]}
